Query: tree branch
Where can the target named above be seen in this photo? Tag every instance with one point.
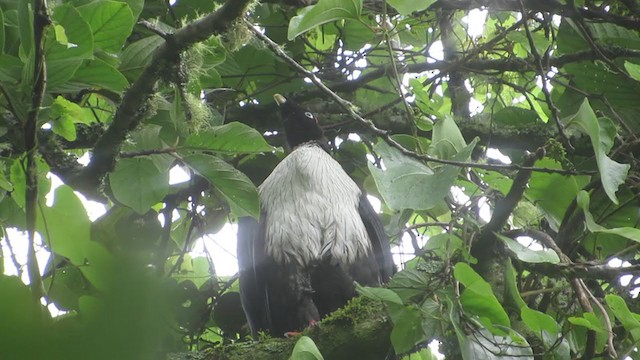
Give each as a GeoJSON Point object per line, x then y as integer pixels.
{"type": "Point", "coordinates": [384, 134]}
{"type": "Point", "coordinates": [41, 21]}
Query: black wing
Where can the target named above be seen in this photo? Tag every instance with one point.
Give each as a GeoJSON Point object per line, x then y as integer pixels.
{"type": "Point", "coordinates": [379, 239]}
{"type": "Point", "coordinates": [251, 262]}
{"type": "Point", "coordinates": [275, 298]}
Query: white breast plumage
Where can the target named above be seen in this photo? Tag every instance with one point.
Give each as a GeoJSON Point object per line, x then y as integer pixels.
{"type": "Point", "coordinates": [313, 210]}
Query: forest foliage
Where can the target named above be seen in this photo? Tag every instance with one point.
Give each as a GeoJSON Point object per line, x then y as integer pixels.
{"type": "Point", "coordinates": [501, 138]}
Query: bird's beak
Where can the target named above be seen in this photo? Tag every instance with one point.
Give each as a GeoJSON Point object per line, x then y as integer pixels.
{"type": "Point", "coordinates": [280, 100]}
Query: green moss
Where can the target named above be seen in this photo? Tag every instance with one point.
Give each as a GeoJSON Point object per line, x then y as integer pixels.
{"type": "Point", "coordinates": [357, 310]}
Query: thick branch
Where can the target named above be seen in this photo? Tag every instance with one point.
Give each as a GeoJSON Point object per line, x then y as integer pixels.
{"type": "Point", "coordinates": [551, 6]}
{"type": "Point", "coordinates": [485, 246]}
{"type": "Point", "coordinates": [359, 331]}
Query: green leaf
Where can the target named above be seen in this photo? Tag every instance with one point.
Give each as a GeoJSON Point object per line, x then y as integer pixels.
{"type": "Point", "coordinates": [64, 59]}
{"type": "Point", "coordinates": [447, 139]}
{"type": "Point", "coordinates": [553, 193]}
{"type": "Point", "coordinates": [66, 287]}
{"type": "Point", "coordinates": [98, 74]}
{"type": "Point", "coordinates": [407, 328]}
{"type": "Point", "coordinates": [1, 32]}
{"type": "Point", "coordinates": [231, 138]}
{"type": "Point", "coordinates": [527, 255]}
{"type": "Point", "coordinates": [538, 321]}
{"type": "Point", "coordinates": [629, 320]}
{"type": "Point", "coordinates": [138, 184]}
{"type": "Point", "coordinates": [322, 12]}
{"type": "Point", "coordinates": [626, 232]}
{"type": "Point", "coordinates": [588, 320]}
{"type": "Point", "coordinates": [406, 7]}
{"type": "Point", "coordinates": [136, 56]}
{"type": "Point", "coordinates": [305, 349]}
{"type": "Point", "coordinates": [379, 294]}
{"type": "Point", "coordinates": [111, 23]}
{"type": "Point", "coordinates": [515, 116]}
{"type": "Point", "coordinates": [423, 354]}
{"type": "Point", "coordinates": [612, 174]}
{"type": "Point", "coordinates": [487, 346]}
{"type": "Point", "coordinates": [25, 27]}
{"type": "Point", "coordinates": [10, 69]}
{"type": "Point", "coordinates": [477, 297]}
{"type": "Point", "coordinates": [633, 70]}
{"type": "Point", "coordinates": [65, 225]}
{"type": "Point", "coordinates": [236, 188]}
{"type": "Point", "coordinates": [17, 177]}
{"type": "Point", "coordinates": [407, 183]}
{"type": "Point", "coordinates": [77, 31]}
{"type": "Point", "coordinates": [512, 293]}
{"type": "Point", "coordinates": [409, 283]}
{"type": "Point", "coordinates": [64, 114]}
{"type": "Point", "coordinates": [25, 316]}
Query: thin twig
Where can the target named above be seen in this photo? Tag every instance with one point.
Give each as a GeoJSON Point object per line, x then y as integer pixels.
{"type": "Point", "coordinates": [542, 71]}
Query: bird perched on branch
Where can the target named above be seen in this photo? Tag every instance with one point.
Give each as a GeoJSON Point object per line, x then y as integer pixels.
{"type": "Point", "coordinates": [316, 235]}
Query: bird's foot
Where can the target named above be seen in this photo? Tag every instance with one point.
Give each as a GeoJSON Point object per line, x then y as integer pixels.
{"type": "Point", "coordinates": [312, 324]}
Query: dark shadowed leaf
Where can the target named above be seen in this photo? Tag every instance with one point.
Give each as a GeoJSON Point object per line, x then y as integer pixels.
{"type": "Point", "coordinates": [236, 188]}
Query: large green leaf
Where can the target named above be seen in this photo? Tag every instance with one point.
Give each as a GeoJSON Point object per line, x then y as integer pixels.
{"type": "Point", "coordinates": [379, 294]}
{"type": "Point", "coordinates": [546, 329]}
{"type": "Point", "coordinates": [528, 255]}
{"type": "Point", "coordinates": [406, 7]}
{"type": "Point", "coordinates": [447, 140]}
{"type": "Point", "coordinates": [627, 232]}
{"type": "Point", "coordinates": [10, 69]}
{"type": "Point", "coordinates": [323, 12]}
{"type": "Point", "coordinates": [65, 225]}
{"type": "Point", "coordinates": [26, 318]}
{"type": "Point", "coordinates": [305, 349]}
{"type": "Point", "coordinates": [612, 174]}
{"type": "Point", "coordinates": [478, 298]}
{"type": "Point", "coordinates": [111, 23]}
{"type": "Point", "coordinates": [407, 327]}
{"type": "Point", "coordinates": [487, 346]}
{"type": "Point", "coordinates": [232, 138]}
{"type": "Point", "coordinates": [98, 74]}
{"type": "Point", "coordinates": [553, 193]}
{"type": "Point", "coordinates": [407, 183]}
{"type": "Point", "coordinates": [236, 188]}
{"type": "Point", "coordinates": [629, 320]}
{"type": "Point", "coordinates": [63, 59]}
{"type": "Point", "coordinates": [409, 283]}
{"type": "Point", "coordinates": [138, 183]}
{"type": "Point", "coordinates": [136, 56]}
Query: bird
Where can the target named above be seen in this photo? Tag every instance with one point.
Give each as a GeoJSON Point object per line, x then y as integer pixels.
{"type": "Point", "coordinates": [316, 235]}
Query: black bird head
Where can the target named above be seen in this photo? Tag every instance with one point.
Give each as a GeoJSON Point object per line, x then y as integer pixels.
{"type": "Point", "coordinates": [300, 125]}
